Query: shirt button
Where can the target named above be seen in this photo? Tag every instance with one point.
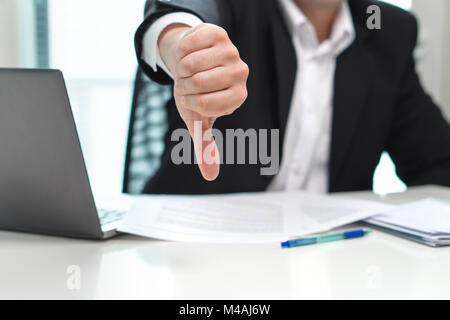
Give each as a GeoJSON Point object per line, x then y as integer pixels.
{"type": "Point", "coordinates": [298, 171]}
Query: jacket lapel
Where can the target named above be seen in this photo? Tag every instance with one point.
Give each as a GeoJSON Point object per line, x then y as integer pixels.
{"type": "Point", "coordinates": [353, 81]}
{"type": "Point", "coordinates": [285, 66]}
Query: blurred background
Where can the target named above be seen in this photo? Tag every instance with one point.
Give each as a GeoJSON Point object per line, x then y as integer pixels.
{"type": "Point", "coordinates": [91, 41]}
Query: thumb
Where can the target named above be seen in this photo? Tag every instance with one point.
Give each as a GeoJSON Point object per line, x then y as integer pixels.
{"type": "Point", "coordinates": [206, 150]}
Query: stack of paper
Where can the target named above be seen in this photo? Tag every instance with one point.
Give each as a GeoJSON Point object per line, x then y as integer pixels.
{"type": "Point", "coordinates": [251, 218]}
{"type": "Point", "coordinates": [426, 221]}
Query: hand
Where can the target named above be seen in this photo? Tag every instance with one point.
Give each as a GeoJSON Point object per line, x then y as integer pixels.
{"type": "Point", "coordinates": [210, 82]}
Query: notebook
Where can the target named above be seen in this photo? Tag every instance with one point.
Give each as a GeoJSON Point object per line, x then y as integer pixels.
{"type": "Point", "coordinates": [426, 221]}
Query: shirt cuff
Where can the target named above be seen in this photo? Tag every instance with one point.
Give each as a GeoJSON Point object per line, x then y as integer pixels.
{"type": "Point", "coordinates": [150, 52]}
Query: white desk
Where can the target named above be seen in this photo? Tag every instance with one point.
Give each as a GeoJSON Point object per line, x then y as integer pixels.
{"type": "Point", "coordinates": [379, 266]}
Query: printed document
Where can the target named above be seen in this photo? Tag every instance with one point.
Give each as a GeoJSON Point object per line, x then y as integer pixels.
{"type": "Point", "coordinates": [243, 218]}
{"type": "Point", "coordinates": [426, 221]}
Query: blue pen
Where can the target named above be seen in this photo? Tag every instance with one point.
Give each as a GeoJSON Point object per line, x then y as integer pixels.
{"type": "Point", "coordinates": [326, 238]}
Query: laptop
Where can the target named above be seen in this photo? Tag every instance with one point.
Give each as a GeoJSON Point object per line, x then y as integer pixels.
{"type": "Point", "coordinates": [44, 185]}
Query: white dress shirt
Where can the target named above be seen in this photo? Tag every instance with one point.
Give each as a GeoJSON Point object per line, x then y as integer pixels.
{"type": "Point", "coordinates": [308, 132]}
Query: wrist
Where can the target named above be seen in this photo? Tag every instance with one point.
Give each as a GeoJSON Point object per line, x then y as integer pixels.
{"type": "Point", "coordinates": [167, 42]}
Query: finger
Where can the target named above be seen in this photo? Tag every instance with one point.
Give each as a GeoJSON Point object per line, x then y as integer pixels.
{"type": "Point", "coordinates": [215, 104]}
{"type": "Point", "coordinates": [196, 28]}
{"type": "Point", "coordinates": [213, 80]}
{"type": "Point", "coordinates": [193, 30]}
{"type": "Point", "coordinates": [201, 37]}
{"type": "Point", "coordinates": [205, 60]}
{"type": "Point", "coordinates": [206, 150]}
{"type": "Point", "coordinates": [207, 81]}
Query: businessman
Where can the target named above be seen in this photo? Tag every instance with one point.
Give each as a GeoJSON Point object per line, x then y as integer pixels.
{"type": "Point", "coordinates": [339, 92]}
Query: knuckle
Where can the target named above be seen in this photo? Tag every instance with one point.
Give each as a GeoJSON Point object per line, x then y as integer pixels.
{"type": "Point", "coordinates": [197, 82]}
{"type": "Point", "coordinates": [241, 73]}
{"type": "Point", "coordinates": [246, 70]}
{"type": "Point", "coordinates": [194, 38]}
{"type": "Point", "coordinates": [187, 65]}
{"type": "Point", "coordinates": [242, 94]}
{"type": "Point", "coordinates": [184, 47]}
{"type": "Point", "coordinates": [245, 96]}
{"type": "Point", "coordinates": [220, 33]}
{"type": "Point", "coordinates": [233, 52]}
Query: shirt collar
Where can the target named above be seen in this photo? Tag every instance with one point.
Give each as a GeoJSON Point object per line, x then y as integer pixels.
{"type": "Point", "coordinates": [342, 35]}
{"type": "Point", "coordinates": [293, 16]}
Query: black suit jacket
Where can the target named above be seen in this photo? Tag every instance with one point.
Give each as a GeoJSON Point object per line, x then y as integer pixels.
{"type": "Point", "coordinates": [379, 103]}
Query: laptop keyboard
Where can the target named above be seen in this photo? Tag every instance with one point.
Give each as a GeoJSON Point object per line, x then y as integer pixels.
{"type": "Point", "coordinates": [108, 216]}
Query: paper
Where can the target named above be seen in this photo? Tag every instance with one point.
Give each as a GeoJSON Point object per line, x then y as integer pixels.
{"type": "Point", "coordinates": [427, 221]}
{"type": "Point", "coordinates": [429, 216]}
{"type": "Point", "coordinates": [243, 218]}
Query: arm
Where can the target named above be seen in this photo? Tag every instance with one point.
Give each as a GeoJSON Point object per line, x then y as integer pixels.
{"type": "Point", "coordinates": [216, 12]}
{"type": "Point", "coordinates": [420, 139]}
{"type": "Point", "coordinates": [150, 49]}
{"type": "Point", "coordinates": [209, 79]}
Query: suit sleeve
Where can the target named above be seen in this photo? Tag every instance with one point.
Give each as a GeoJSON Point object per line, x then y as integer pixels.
{"type": "Point", "coordinates": [419, 143]}
{"type": "Point", "coordinates": [217, 12]}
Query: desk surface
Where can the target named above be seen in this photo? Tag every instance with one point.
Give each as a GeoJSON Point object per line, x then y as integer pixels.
{"type": "Point", "coordinates": [128, 267]}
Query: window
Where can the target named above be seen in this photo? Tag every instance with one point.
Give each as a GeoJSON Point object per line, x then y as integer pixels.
{"type": "Point", "coordinates": [41, 34]}
{"type": "Point", "coordinates": [405, 4]}
{"type": "Point", "coordinates": [385, 179]}
{"type": "Point", "coordinates": [92, 42]}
